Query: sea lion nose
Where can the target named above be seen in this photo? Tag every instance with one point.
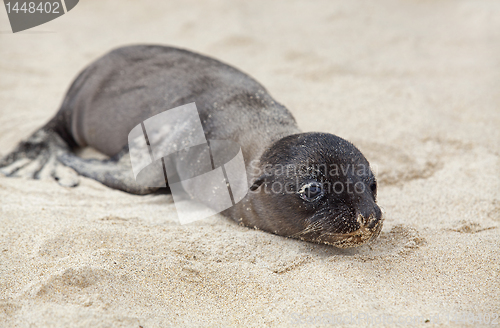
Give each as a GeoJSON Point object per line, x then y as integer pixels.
{"type": "Point", "coordinates": [369, 216]}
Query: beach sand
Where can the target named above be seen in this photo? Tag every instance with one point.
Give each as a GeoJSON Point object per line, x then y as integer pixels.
{"type": "Point", "coordinates": [413, 84]}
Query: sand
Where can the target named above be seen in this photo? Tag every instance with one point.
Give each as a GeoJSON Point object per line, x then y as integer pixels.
{"type": "Point", "coordinates": [414, 84]}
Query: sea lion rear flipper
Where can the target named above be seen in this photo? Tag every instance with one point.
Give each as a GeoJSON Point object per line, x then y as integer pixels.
{"type": "Point", "coordinates": [36, 158]}
{"type": "Point", "coordinates": [115, 172]}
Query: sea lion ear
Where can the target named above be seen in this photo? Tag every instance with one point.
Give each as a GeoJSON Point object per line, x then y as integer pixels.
{"type": "Point", "coordinates": [260, 180]}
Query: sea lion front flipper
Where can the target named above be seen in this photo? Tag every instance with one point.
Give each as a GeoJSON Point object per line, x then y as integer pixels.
{"type": "Point", "coordinates": [36, 158]}
{"type": "Point", "coordinates": [115, 172]}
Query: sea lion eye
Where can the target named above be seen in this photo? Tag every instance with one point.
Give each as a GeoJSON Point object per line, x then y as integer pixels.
{"type": "Point", "coordinates": [311, 191]}
{"type": "Point", "coordinates": [373, 187]}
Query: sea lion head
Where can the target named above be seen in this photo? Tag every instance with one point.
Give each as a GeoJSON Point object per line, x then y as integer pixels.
{"type": "Point", "coordinates": [316, 187]}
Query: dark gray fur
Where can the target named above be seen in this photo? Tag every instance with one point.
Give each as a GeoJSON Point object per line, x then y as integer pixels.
{"type": "Point", "coordinates": [131, 84]}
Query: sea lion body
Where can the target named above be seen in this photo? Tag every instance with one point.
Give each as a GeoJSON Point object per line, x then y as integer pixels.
{"type": "Point", "coordinates": [131, 84]}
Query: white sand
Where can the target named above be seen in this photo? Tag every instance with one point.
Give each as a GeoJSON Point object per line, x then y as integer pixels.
{"type": "Point", "coordinates": [414, 84]}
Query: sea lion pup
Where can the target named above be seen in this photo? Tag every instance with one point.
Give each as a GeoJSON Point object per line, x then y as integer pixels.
{"type": "Point", "coordinates": [326, 194]}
